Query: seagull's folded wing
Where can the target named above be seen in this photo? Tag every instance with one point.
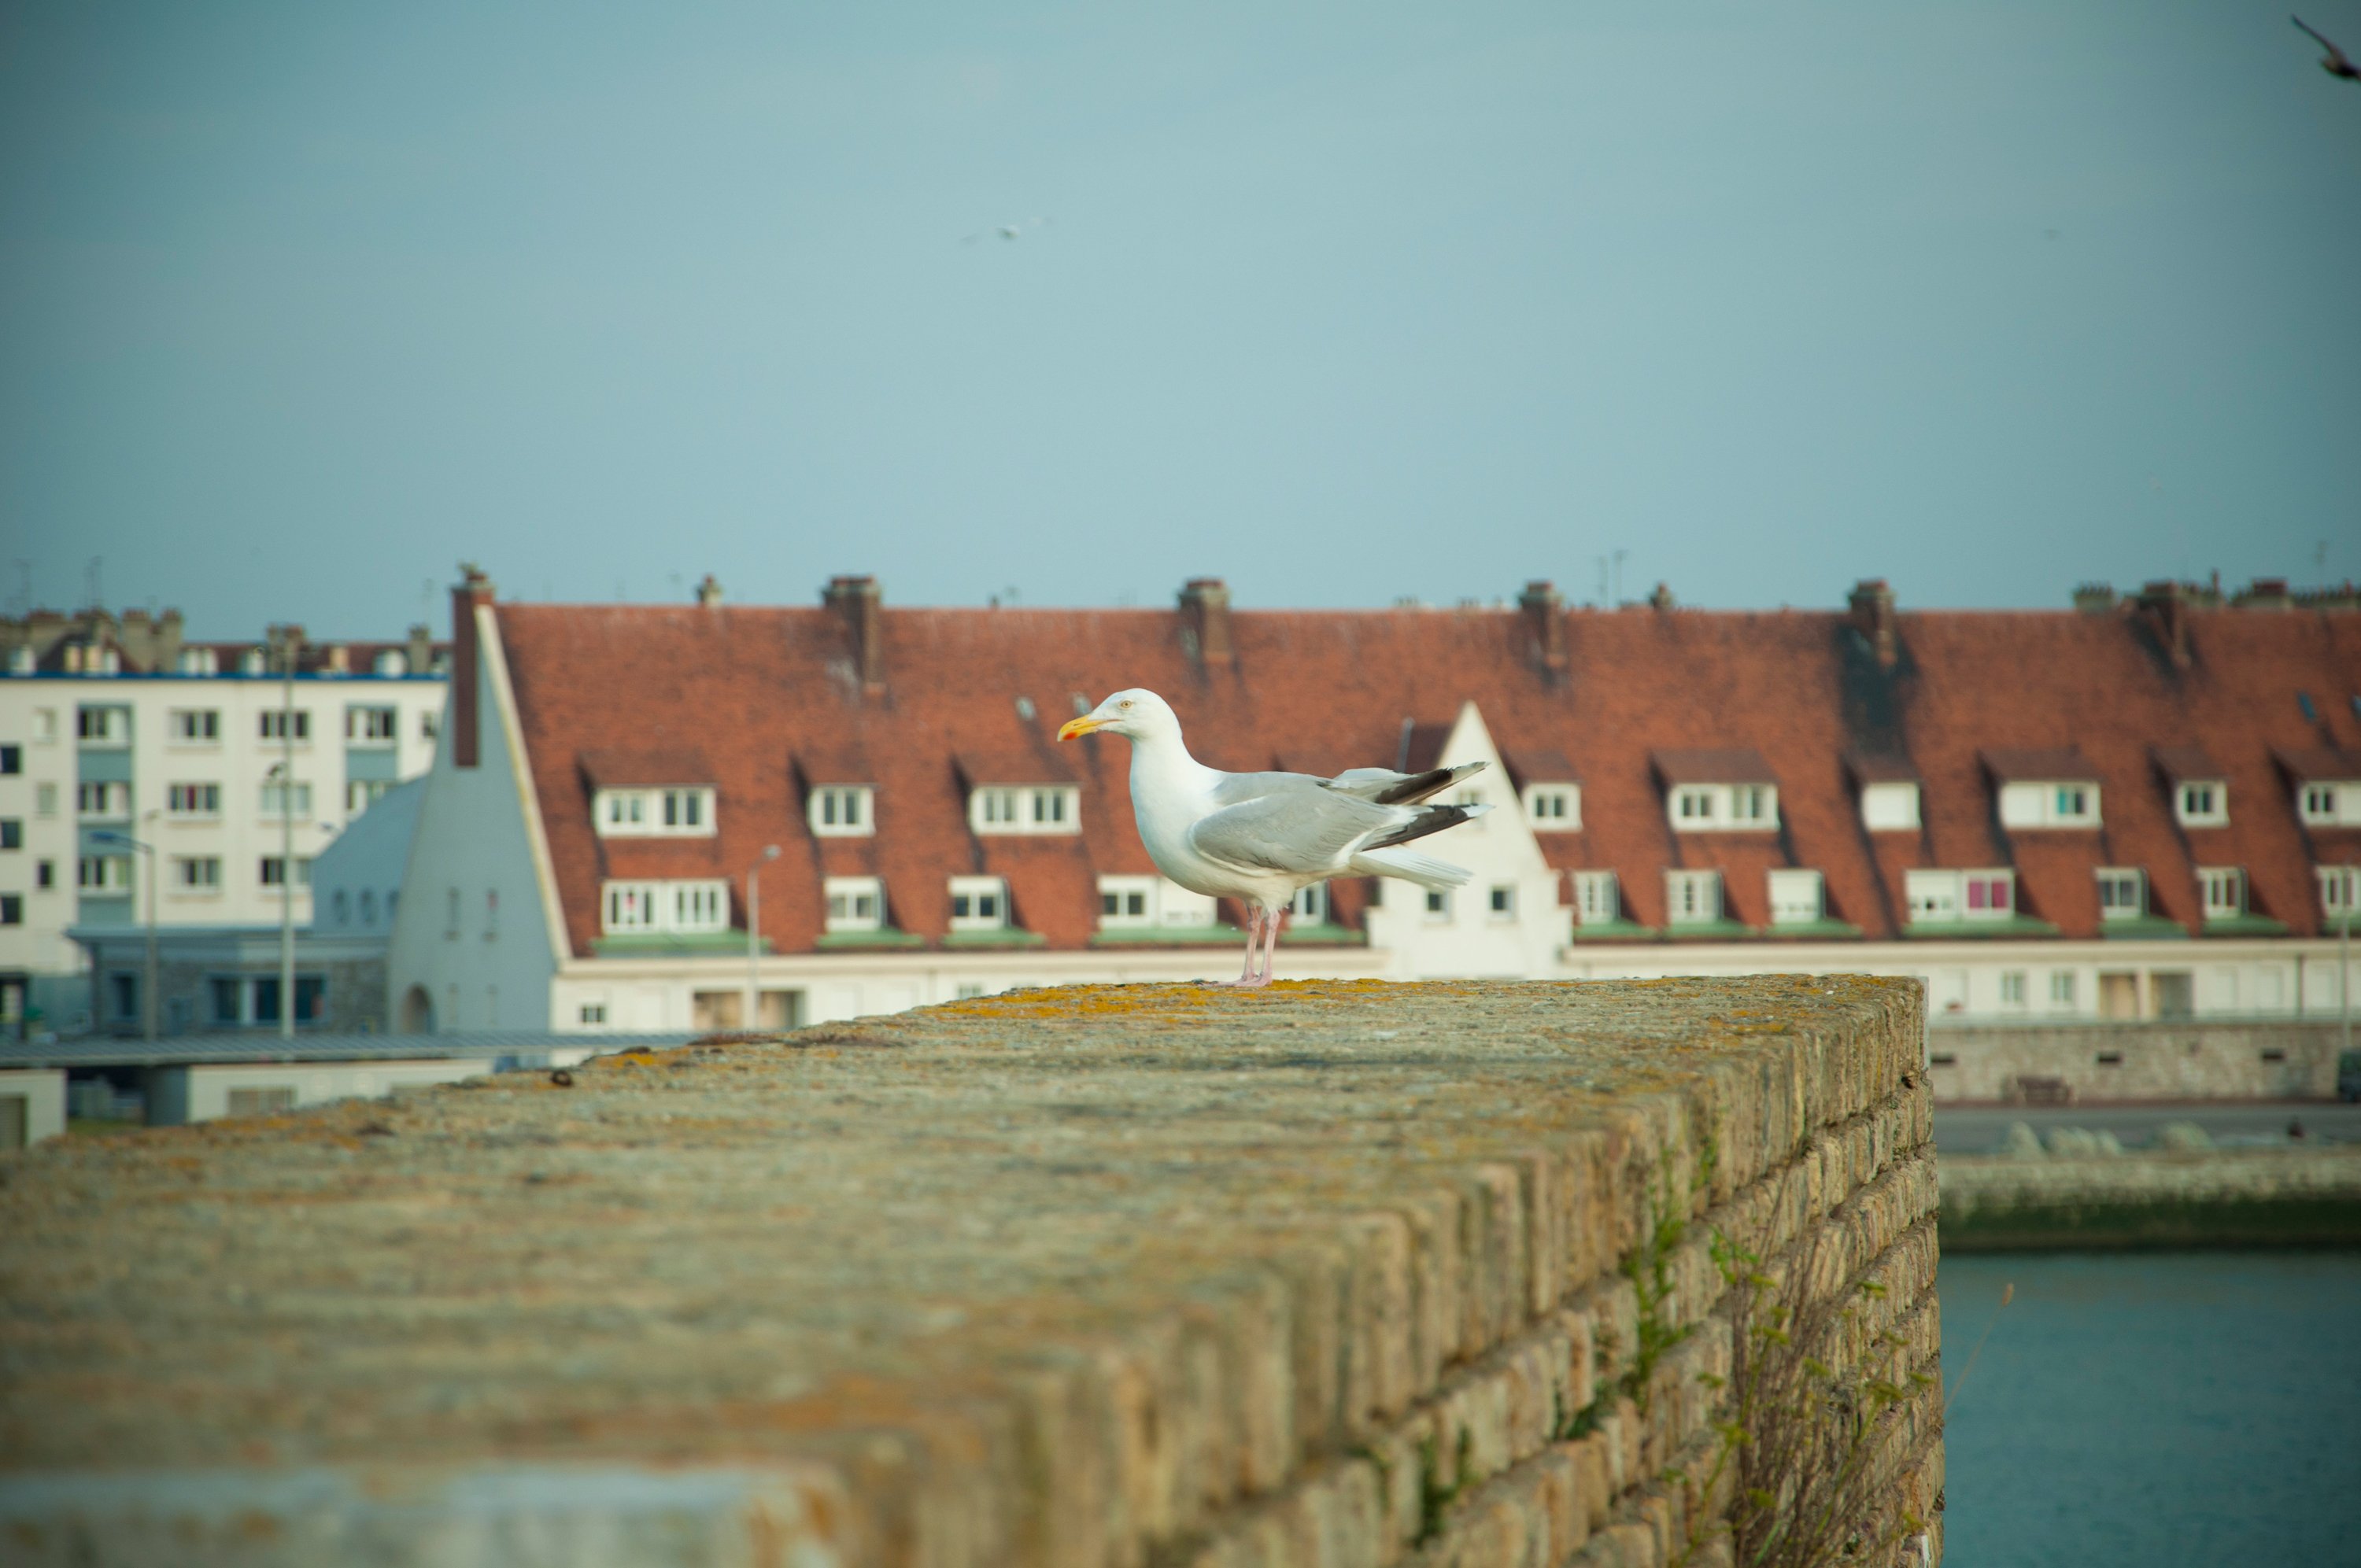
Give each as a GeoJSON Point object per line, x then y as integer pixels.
{"type": "Point", "coordinates": [1385, 787]}
{"type": "Point", "coordinates": [1299, 829]}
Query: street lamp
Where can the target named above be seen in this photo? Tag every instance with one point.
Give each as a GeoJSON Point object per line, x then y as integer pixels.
{"type": "Point", "coordinates": [289, 641]}
{"type": "Point", "coordinates": [754, 934]}
{"type": "Point", "coordinates": [147, 987]}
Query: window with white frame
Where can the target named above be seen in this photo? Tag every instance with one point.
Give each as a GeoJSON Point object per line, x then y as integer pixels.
{"type": "Point", "coordinates": [1692, 898]}
{"type": "Point", "coordinates": [430, 724]}
{"type": "Point", "coordinates": [1176, 905]}
{"type": "Point", "coordinates": [104, 800]}
{"type": "Point", "coordinates": [2123, 893]}
{"type": "Point", "coordinates": [840, 811]}
{"type": "Point", "coordinates": [274, 723]}
{"type": "Point", "coordinates": [1438, 905]}
{"type": "Point", "coordinates": [1746, 808]}
{"type": "Point", "coordinates": [2221, 891]}
{"type": "Point", "coordinates": [1554, 808]}
{"type": "Point", "coordinates": [2072, 803]}
{"type": "Point", "coordinates": [45, 724]}
{"type": "Point", "coordinates": [855, 903]}
{"type": "Point", "coordinates": [1310, 904]}
{"type": "Point", "coordinates": [1941, 897]}
{"type": "Point", "coordinates": [2201, 803]}
{"type": "Point", "coordinates": [103, 873]}
{"type": "Point", "coordinates": [2012, 988]}
{"type": "Point", "coordinates": [979, 903]}
{"type": "Point", "coordinates": [1798, 897]}
{"type": "Point", "coordinates": [690, 905]}
{"type": "Point", "coordinates": [2326, 803]}
{"type": "Point", "coordinates": [1890, 806]}
{"type": "Point", "coordinates": [196, 726]}
{"type": "Point", "coordinates": [1126, 900]}
{"type": "Point", "coordinates": [372, 726]}
{"type": "Point", "coordinates": [102, 726]}
{"type": "Point", "coordinates": [362, 793]}
{"type": "Point", "coordinates": [998, 809]}
{"type": "Point", "coordinates": [2061, 988]}
{"type": "Point", "coordinates": [272, 872]}
{"type": "Point", "coordinates": [277, 796]}
{"type": "Point", "coordinates": [677, 811]}
{"type": "Point", "coordinates": [593, 1013]}
{"type": "Point", "coordinates": [196, 873]}
{"type": "Point", "coordinates": [200, 662]}
{"type": "Point", "coordinates": [1597, 899]}
{"type": "Point", "coordinates": [193, 799]}
{"type": "Point", "coordinates": [45, 799]}
{"type": "Point", "coordinates": [2338, 886]}
{"type": "Point", "coordinates": [1501, 905]}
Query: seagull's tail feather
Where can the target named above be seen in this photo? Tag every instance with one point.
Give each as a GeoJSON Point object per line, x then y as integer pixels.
{"type": "Point", "coordinates": [1411, 866]}
{"type": "Point", "coordinates": [1429, 820]}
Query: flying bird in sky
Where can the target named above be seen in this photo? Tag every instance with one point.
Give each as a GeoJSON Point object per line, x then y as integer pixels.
{"type": "Point", "coordinates": [1005, 231]}
{"type": "Point", "coordinates": [1263, 837]}
{"type": "Point", "coordinates": [2334, 61]}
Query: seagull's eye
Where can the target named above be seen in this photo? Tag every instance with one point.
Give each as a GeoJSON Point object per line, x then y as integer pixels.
{"type": "Point", "coordinates": [1126, 703]}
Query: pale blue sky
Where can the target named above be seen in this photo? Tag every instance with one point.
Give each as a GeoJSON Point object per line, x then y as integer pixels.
{"type": "Point", "coordinates": [301, 304]}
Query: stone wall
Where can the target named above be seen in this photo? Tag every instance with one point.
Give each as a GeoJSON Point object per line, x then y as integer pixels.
{"type": "Point", "coordinates": [2163, 1060]}
{"type": "Point", "coordinates": [2277, 1197]}
{"type": "Point", "coordinates": [1333, 1274]}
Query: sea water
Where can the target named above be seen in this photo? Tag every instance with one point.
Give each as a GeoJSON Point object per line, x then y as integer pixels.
{"type": "Point", "coordinates": [2154, 1409]}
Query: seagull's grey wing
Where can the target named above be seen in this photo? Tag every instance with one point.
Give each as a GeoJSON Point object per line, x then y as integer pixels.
{"type": "Point", "coordinates": [1383, 786]}
{"type": "Point", "coordinates": [1303, 832]}
{"type": "Point", "coordinates": [1236, 789]}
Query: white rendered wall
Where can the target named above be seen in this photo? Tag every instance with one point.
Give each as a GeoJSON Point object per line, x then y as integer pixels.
{"type": "Point", "coordinates": [202, 1093]}
{"type": "Point", "coordinates": [43, 1090]}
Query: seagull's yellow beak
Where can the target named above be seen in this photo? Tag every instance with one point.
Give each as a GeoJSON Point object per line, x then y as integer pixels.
{"type": "Point", "coordinates": [1083, 726]}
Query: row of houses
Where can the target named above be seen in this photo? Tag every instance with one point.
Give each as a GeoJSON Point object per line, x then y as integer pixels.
{"type": "Point", "coordinates": [706, 816]}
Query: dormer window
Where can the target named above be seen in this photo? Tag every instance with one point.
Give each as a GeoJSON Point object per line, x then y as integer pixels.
{"type": "Point", "coordinates": [1798, 897]}
{"type": "Point", "coordinates": [1940, 897]}
{"type": "Point", "coordinates": [1142, 903]}
{"type": "Point", "coordinates": [2223, 892]}
{"type": "Point", "coordinates": [684, 907]}
{"type": "Point", "coordinates": [681, 811]}
{"type": "Point", "coordinates": [2055, 788]}
{"type": "Point", "coordinates": [855, 903]}
{"type": "Point", "coordinates": [979, 903]}
{"type": "Point", "coordinates": [841, 811]}
{"type": "Point", "coordinates": [1692, 898]}
{"type": "Point", "coordinates": [199, 661]}
{"type": "Point", "coordinates": [1554, 808]}
{"type": "Point", "coordinates": [1718, 791]}
{"type": "Point", "coordinates": [2123, 893]}
{"type": "Point", "coordinates": [2202, 805]}
{"type": "Point", "coordinates": [1597, 899]}
{"type": "Point", "coordinates": [1001, 809]}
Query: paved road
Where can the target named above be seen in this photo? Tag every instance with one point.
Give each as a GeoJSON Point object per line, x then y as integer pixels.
{"type": "Point", "coordinates": [1978, 1129]}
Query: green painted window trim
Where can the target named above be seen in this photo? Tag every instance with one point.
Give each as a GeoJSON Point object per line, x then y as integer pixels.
{"type": "Point", "coordinates": [1614, 931]}
{"type": "Point", "coordinates": [2143, 927]}
{"type": "Point", "coordinates": [1007, 937]}
{"type": "Point", "coordinates": [1973, 930]}
{"type": "Point", "coordinates": [671, 944]}
{"type": "Point", "coordinates": [1322, 935]}
{"type": "Point", "coordinates": [2247, 925]}
{"type": "Point", "coordinates": [1805, 930]}
{"type": "Point", "coordinates": [843, 941]}
{"type": "Point", "coordinates": [1709, 931]}
{"type": "Point", "coordinates": [1169, 936]}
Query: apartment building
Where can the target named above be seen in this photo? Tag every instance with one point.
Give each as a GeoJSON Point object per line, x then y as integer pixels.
{"type": "Point", "coordinates": [2147, 807]}
{"type": "Point", "coordinates": [220, 768]}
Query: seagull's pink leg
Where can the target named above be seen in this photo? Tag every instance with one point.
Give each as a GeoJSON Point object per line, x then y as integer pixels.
{"type": "Point", "coordinates": [1254, 931]}
{"type": "Point", "coordinates": [1272, 924]}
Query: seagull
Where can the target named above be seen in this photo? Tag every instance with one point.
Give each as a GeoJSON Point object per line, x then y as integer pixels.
{"type": "Point", "coordinates": [1262, 838]}
{"type": "Point", "coordinates": [1005, 231]}
{"type": "Point", "coordinates": [2336, 64]}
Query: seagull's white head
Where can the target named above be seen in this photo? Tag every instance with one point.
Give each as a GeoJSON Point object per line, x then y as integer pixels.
{"type": "Point", "coordinates": [1136, 713]}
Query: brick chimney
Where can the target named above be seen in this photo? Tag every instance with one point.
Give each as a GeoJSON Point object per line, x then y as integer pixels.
{"type": "Point", "coordinates": [1871, 607]}
{"type": "Point", "coordinates": [2164, 607]}
{"type": "Point", "coordinates": [1543, 614]}
{"type": "Point", "coordinates": [474, 592]}
{"type": "Point", "coordinates": [2094, 598]}
{"type": "Point", "coordinates": [858, 604]}
{"type": "Point", "coordinates": [1205, 622]}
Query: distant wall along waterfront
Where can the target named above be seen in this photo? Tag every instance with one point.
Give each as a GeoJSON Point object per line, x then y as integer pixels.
{"type": "Point", "coordinates": [1341, 1273]}
{"type": "Point", "coordinates": [2037, 1063]}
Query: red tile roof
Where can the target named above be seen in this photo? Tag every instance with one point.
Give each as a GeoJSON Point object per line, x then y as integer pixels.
{"type": "Point", "coordinates": [2037, 764]}
{"type": "Point", "coordinates": [2182, 763]}
{"type": "Point", "coordinates": [1868, 768]}
{"type": "Point", "coordinates": [761, 692]}
{"type": "Point", "coordinates": [1714, 764]}
{"type": "Point", "coordinates": [1537, 765]}
{"type": "Point", "coordinates": [2310, 764]}
{"type": "Point", "coordinates": [642, 769]}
